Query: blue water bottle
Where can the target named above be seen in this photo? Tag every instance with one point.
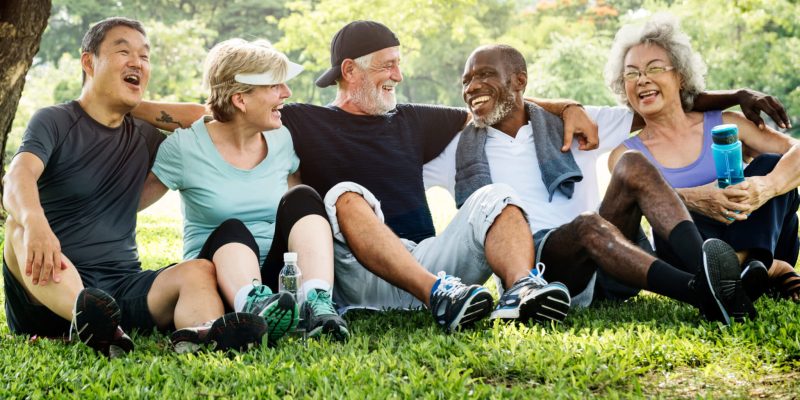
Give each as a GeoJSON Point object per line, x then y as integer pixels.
{"type": "Point", "coordinates": [727, 153]}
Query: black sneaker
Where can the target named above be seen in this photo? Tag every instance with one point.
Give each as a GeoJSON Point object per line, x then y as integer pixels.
{"type": "Point", "coordinates": [232, 331]}
{"type": "Point", "coordinates": [755, 279]}
{"type": "Point", "coordinates": [320, 317]}
{"type": "Point", "coordinates": [455, 305]}
{"type": "Point", "coordinates": [532, 298]}
{"type": "Point", "coordinates": [95, 321]}
{"type": "Point", "coordinates": [279, 309]}
{"type": "Point", "coordinates": [721, 285]}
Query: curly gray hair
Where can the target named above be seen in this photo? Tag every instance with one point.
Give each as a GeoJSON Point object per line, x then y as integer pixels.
{"type": "Point", "coordinates": [662, 30]}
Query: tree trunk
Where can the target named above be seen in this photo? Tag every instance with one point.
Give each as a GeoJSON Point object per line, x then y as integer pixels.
{"type": "Point", "coordinates": [22, 23]}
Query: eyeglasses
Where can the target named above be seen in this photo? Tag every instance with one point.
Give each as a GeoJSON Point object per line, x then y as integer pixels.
{"type": "Point", "coordinates": [634, 74]}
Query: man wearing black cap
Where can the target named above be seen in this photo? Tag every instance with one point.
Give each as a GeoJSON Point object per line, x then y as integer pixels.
{"type": "Point", "coordinates": [365, 147]}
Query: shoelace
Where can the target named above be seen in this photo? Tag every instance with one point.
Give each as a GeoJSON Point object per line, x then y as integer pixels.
{"type": "Point", "coordinates": [322, 304]}
{"type": "Point", "coordinates": [261, 292]}
{"type": "Point", "coordinates": [537, 274]}
{"type": "Point", "coordinates": [449, 285]}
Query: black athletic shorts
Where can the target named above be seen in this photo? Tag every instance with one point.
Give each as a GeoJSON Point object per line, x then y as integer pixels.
{"type": "Point", "coordinates": [130, 290]}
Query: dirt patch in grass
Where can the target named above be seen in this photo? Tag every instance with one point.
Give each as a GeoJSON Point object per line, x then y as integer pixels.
{"type": "Point", "coordinates": [693, 383]}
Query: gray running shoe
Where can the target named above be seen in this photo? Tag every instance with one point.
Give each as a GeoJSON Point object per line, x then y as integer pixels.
{"type": "Point", "coordinates": [455, 305]}
{"type": "Point", "coordinates": [532, 298]}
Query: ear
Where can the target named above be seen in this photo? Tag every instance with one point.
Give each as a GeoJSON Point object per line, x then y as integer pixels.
{"type": "Point", "coordinates": [238, 101]}
{"type": "Point", "coordinates": [87, 63]}
{"type": "Point", "coordinates": [348, 70]}
{"type": "Point", "coordinates": [520, 81]}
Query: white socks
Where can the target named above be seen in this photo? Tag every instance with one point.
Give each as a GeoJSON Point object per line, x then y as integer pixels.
{"type": "Point", "coordinates": [241, 297]}
{"type": "Point", "coordinates": [312, 284]}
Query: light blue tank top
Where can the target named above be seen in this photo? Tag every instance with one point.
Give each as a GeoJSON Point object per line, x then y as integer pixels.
{"type": "Point", "coordinates": [701, 171]}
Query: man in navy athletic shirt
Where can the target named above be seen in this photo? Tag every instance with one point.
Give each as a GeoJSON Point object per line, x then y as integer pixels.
{"type": "Point", "coordinates": [70, 264]}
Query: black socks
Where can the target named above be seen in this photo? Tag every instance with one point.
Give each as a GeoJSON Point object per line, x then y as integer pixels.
{"type": "Point", "coordinates": [672, 282]}
{"type": "Point", "coordinates": [687, 244]}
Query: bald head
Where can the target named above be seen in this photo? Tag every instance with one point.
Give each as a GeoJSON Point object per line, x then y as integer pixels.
{"type": "Point", "coordinates": [505, 55]}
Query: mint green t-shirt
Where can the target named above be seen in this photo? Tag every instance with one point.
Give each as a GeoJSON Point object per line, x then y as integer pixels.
{"type": "Point", "coordinates": [212, 190]}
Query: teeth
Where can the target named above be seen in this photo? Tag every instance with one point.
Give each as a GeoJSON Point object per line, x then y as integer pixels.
{"type": "Point", "coordinates": [132, 79]}
{"type": "Point", "coordinates": [480, 100]}
{"type": "Point", "coordinates": [647, 93]}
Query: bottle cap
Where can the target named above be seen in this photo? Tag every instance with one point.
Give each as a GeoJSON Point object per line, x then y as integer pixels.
{"type": "Point", "coordinates": [725, 134]}
{"type": "Point", "coordinates": [289, 257]}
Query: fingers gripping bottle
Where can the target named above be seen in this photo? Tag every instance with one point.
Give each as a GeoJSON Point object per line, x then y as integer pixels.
{"type": "Point", "coordinates": [727, 152]}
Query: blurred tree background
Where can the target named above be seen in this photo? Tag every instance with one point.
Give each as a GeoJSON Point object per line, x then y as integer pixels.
{"type": "Point", "coordinates": [746, 43]}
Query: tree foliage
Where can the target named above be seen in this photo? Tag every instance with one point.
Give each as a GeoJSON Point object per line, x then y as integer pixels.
{"type": "Point", "coordinates": [746, 43]}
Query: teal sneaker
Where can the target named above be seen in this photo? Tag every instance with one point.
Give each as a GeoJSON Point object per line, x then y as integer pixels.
{"type": "Point", "coordinates": [280, 310]}
{"type": "Point", "coordinates": [320, 317]}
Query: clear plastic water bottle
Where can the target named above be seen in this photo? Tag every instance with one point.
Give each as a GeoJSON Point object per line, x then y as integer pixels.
{"type": "Point", "coordinates": [727, 152]}
{"type": "Point", "coordinates": [290, 278]}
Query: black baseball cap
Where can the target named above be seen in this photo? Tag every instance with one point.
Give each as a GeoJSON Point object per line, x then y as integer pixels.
{"type": "Point", "coordinates": [356, 39]}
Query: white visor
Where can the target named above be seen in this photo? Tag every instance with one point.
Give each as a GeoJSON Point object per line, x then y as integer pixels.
{"type": "Point", "coordinates": [268, 78]}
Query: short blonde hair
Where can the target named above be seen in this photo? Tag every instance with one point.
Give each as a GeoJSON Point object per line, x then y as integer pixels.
{"type": "Point", "coordinates": [663, 30]}
{"type": "Point", "coordinates": [238, 56]}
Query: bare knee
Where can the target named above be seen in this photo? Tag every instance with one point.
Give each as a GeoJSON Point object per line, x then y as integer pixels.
{"type": "Point", "coordinates": [196, 272]}
{"type": "Point", "coordinates": [634, 168]}
{"type": "Point", "coordinates": [591, 228]}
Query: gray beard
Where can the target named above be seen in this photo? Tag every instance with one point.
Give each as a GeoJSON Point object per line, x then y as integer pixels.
{"type": "Point", "coordinates": [500, 112]}
{"type": "Point", "coordinates": [369, 99]}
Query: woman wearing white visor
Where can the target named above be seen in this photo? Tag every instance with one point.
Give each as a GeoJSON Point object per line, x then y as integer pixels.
{"type": "Point", "coordinates": [233, 173]}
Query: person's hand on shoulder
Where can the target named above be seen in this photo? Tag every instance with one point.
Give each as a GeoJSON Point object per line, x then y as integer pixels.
{"type": "Point", "coordinates": [578, 125]}
{"type": "Point", "coordinates": [754, 102]}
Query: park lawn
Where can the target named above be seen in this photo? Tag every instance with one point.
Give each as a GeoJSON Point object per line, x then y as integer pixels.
{"type": "Point", "coordinates": [648, 347]}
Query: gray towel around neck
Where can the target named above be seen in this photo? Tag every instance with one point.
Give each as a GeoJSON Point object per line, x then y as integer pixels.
{"type": "Point", "coordinates": [559, 170]}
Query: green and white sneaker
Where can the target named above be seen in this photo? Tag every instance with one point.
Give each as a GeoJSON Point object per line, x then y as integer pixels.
{"type": "Point", "coordinates": [320, 317]}
{"type": "Point", "coordinates": [280, 310]}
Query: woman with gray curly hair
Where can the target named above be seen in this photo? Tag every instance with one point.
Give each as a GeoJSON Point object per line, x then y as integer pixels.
{"type": "Point", "coordinates": [655, 72]}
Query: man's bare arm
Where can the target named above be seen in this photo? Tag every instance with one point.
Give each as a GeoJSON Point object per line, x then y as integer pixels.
{"type": "Point", "coordinates": [41, 255]}
{"type": "Point", "coordinates": [752, 103]}
{"type": "Point", "coordinates": [169, 116]}
{"type": "Point", "coordinates": [152, 191]}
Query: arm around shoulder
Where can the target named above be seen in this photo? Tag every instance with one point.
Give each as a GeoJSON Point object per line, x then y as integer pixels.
{"type": "Point", "coordinates": [169, 116]}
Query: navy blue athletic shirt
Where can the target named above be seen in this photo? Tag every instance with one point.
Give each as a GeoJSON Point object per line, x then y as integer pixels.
{"type": "Point", "coordinates": [384, 153]}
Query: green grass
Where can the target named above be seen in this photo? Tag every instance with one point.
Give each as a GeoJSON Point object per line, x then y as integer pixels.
{"type": "Point", "coordinates": [648, 347]}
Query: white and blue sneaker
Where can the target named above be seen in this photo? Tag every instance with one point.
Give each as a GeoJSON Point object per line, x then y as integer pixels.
{"type": "Point", "coordinates": [532, 298]}
{"type": "Point", "coordinates": [455, 305]}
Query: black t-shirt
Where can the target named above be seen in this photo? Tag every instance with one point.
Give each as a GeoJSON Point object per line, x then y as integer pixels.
{"type": "Point", "coordinates": [383, 153]}
{"type": "Point", "coordinates": [91, 184]}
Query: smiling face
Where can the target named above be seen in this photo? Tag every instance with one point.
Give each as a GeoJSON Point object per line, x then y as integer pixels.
{"type": "Point", "coordinates": [490, 90]}
{"type": "Point", "coordinates": [120, 70]}
{"type": "Point", "coordinates": [374, 89]}
{"type": "Point", "coordinates": [261, 106]}
{"type": "Point", "coordinates": [656, 92]}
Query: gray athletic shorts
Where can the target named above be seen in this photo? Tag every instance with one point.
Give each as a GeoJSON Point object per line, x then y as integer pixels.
{"type": "Point", "coordinates": [582, 299]}
{"type": "Point", "coordinates": [458, 251]}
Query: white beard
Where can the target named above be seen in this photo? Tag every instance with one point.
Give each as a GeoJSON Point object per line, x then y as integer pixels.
{"type": "Point", "coordinates": [500, 111]}
{"type": "Point", "coordinates": [370, 99]}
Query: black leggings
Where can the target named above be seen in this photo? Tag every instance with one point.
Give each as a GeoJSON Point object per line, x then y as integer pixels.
{"type": "Point", "coordinates": [295, 204]}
